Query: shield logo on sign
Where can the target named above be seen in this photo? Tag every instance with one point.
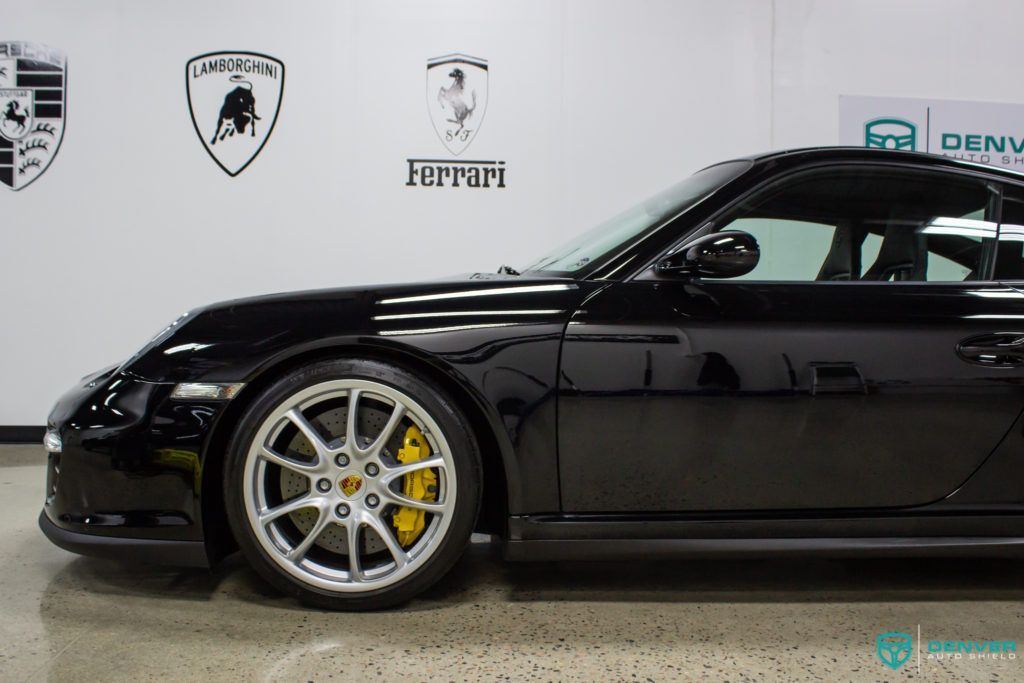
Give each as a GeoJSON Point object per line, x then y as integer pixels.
{"type": "Point", "coordinates": [234, 99]}
{"type": "Point", "coordinates": [894, 648]}
{"type": "Point", "coordinates": [33, 89]}
{"type": "Point", "coordinates": [889, 133]}
{"type": "Point", "coordinates": [456, 98]}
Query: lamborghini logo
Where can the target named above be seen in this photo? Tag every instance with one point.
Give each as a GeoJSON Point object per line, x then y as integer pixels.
{"type": "Point", "coordinates": [351, 484]}
{"type": "Point", "coordinates": [234, 98]}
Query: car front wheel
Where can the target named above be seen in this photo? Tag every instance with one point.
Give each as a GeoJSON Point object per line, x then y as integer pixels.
{"type": "Point", "coordinates": [352, 484]}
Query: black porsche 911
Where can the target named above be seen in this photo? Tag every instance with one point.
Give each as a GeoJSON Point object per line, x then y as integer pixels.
{"type": "Point", "coordinates": [815, 351]}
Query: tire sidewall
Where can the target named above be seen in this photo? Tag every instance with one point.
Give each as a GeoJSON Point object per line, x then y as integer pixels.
{"type": "Point", "coordinates": [465, 456]}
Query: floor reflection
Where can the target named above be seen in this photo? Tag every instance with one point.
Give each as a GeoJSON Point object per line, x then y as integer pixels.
{"type": "Point", "coordinates": [481, 573]}
{"type": "Point", "coordinates": [775, 619]}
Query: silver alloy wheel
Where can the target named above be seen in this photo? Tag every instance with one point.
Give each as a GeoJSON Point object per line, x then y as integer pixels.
{"type": "Point", "coordinates": [272, 520]}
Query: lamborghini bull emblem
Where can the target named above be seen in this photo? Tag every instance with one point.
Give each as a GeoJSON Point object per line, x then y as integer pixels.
{"type": "Point", "coordinates": [456, 98]}
{"type": "Point", "coordinates": [351, 484]}
{"type": "Point", "coordinates": [234, 98]}
{"type": "Point", "coordinates": [33, 89]}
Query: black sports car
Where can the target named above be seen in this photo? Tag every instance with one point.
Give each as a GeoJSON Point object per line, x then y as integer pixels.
{"type": "Point", "coordinates": [811, 351]}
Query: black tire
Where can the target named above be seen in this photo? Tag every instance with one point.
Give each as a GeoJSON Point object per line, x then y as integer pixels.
{"type": "Point", "coordinates": [466, 458]}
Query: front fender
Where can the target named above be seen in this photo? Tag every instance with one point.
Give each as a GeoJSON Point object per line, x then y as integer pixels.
{"type": "Point", "coordinates": [497, 341]}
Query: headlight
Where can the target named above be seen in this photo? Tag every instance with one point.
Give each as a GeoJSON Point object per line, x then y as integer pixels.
{"type": "Point", "coordinates": [52, 442]}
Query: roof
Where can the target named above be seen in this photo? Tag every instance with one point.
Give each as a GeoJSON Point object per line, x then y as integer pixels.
{"type": "Point", "coordinates": [875, 154]}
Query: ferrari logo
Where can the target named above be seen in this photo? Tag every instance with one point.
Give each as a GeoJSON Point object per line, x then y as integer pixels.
{"type": "Point", "coordinates": [351, 484]}
{"type": "Point", "coordinates": [456, 98]}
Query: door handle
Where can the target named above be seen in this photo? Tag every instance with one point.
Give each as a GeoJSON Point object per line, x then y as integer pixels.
{"type": "Point", "coordinates": [1001, 349]}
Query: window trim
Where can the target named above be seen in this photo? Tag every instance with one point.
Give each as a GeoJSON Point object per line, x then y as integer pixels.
{"type": "Point", "coordinates": [1020, 189]}
{"type": "Point", "coordinates": [995, 184]}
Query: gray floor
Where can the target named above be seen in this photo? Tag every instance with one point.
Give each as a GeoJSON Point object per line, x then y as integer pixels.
{"type": "Point", "coordinates": [64, 617]}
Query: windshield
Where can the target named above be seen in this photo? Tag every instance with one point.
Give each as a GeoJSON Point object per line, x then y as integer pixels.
{"type": "Point", "coordinates": [615, 233]}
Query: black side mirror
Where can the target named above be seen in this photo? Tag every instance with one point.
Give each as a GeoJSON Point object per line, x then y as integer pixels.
{"type": "Point", "coordinates": [729, 253]}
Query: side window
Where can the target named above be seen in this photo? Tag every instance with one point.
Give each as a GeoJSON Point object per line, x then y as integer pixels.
{"type": "Point", "coordinates": [790, 249]}
{"type": "Point", "coordinates": [870, 224]}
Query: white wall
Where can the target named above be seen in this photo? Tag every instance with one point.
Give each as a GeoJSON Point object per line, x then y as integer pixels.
{"type": "Point", "coordinates": [592, 105]}
{"type": "Point", "coordinates": [940, 49]}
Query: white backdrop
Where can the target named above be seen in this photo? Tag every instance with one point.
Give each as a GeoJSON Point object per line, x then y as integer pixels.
{"type": "Point", "coordinates": [591, 104]}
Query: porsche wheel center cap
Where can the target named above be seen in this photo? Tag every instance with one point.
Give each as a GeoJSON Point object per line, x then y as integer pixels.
{"type": "Point", "coordinates": [351, 485]}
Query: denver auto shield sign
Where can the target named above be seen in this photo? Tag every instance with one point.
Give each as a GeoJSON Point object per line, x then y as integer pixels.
{"type": "Point", "coordinates": [983, 132]}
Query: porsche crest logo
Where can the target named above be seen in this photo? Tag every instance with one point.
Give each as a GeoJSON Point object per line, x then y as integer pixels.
{"type": "Point", "coordinates": [234, 98]}
{"type": "Point", "coordinates": [351, 484]}
{"type": "Point", "coordinates": [33, 89]}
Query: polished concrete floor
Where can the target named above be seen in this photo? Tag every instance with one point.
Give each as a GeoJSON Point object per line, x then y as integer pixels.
{"type": "Point", "coordinates": [69, 618]}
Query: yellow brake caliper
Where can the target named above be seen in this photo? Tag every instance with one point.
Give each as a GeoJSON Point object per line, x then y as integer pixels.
{"type": "Point", "coordinates": [421, 485]}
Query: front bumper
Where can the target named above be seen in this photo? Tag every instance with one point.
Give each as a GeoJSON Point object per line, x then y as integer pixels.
{"type": "Point", "coordinates": [129, 475]}
{"type": "Point", "coordinates": [178, 553]}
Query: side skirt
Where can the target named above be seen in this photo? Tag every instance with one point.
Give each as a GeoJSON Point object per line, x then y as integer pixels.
{"type": "Point", "coordinates": [724, 548]}
{"type": "Point", "coordinates": [607, 537]}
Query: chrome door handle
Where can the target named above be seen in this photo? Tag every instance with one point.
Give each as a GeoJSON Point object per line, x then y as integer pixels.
{"type": "Point", "coordinates": [1001, 349]}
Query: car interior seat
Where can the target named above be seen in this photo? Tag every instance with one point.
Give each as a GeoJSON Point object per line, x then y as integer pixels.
{"type": "Point", "coordinates": [843, 259]}
{"type": "Point", "coordinates": [902, 256]}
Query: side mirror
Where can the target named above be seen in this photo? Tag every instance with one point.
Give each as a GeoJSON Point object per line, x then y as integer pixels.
{"type": "Point", "coordinates": [729, 253]}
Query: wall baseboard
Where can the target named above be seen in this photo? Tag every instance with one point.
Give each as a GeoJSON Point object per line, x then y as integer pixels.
{"type": "Point", "coordinates": [21, 434]}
